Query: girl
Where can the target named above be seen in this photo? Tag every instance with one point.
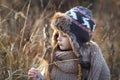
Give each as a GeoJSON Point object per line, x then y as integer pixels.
{"type": "Point", "coordinates": [74, 56]}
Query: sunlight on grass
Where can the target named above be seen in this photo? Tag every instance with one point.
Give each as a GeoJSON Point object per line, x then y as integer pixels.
{"type": "Point", "coordinates": [21, 44]}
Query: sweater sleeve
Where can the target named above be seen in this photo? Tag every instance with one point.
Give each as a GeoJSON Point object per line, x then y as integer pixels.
{"type": "Point", "coordinates": [96, 63]}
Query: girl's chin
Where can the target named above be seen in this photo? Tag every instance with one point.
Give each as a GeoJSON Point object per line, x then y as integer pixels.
{"type": "Point", "coordinates": [64, 49]}
{"type": "Point", "coordinates": [61, 48]}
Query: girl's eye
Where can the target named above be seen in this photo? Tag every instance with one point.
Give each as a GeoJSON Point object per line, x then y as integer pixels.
{"type": "Point", "coordinates": [64, 35]}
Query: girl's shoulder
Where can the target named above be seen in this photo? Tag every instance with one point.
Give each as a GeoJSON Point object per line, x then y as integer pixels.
{"type": "Point", "coordinates": [90, 47]}
{"type": "Point", "coordinates": [93, 46]}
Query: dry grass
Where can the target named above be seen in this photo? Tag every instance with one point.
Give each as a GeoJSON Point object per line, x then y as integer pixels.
{"type": "Point", "coordinates": [21, 35]}
{"type": "Point", "coordinates": [21, 42]}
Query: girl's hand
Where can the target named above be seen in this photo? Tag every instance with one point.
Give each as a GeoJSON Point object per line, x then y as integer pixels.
{"type": "Point", "coordinates": [33, 73]}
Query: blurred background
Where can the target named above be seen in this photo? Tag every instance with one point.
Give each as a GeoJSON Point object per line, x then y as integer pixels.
{"type": "Point", "coordinates": [25, 33]}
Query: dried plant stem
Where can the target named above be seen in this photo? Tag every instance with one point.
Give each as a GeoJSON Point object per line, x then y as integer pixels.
{"type": "Point", "coordinates": [28, 8]}
{"type": "Point", "coordinates": [10, 74]}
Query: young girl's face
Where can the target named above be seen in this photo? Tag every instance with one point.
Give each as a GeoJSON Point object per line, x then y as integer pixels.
{"type": "Point", "coordinates": [63, 41]}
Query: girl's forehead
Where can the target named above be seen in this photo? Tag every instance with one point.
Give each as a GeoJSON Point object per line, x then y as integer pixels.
{"type": "Point", "coordinates": [60, 32]}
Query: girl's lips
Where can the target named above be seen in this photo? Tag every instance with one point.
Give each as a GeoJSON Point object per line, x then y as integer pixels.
{"type": "Point", "coordinates": [59, 44]}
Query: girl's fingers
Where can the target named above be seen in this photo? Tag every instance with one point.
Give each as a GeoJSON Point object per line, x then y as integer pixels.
{"type": "Point", "coordinates": [33, 72]}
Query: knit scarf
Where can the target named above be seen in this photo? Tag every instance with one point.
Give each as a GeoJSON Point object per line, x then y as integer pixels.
{"type": "Point", "coordinates": [65, 66]}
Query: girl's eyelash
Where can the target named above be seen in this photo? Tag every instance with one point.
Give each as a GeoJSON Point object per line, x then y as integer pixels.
{"type": "Point", "coordinates": [64, 35]}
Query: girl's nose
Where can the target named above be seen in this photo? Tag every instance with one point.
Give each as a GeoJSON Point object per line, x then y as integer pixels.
{"type": "Point", "coordinates": [58, 38]}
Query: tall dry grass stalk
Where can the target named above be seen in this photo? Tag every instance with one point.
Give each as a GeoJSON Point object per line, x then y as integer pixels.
{"type": "Point", "coordinates": [21, 43]}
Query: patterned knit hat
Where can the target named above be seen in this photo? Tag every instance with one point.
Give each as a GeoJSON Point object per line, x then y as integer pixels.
{"type": "Point", "coordinates": [78, 23]}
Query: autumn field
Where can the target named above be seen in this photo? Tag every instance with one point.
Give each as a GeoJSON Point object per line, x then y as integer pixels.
{"type": "Point", "coordinates": [25, 33]}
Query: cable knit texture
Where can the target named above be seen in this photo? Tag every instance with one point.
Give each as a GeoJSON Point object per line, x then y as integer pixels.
{"type": "Point", "coordinates": [98, 67]}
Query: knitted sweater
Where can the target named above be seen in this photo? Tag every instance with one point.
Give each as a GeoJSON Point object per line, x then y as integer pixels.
{"type": "Point", "coordinates": [98, 67]}
{"type": "Point", "coordinates": [66, 65]}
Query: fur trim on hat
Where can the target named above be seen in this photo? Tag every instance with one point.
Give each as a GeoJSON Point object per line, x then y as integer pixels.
{"type": "Point", "coordinates": [62, 22]}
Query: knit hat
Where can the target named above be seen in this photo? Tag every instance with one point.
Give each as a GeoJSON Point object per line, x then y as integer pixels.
{"type": "Point", "coordinates": [77, 22]}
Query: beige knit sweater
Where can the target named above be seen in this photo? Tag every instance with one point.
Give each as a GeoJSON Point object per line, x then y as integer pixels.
{"type": "Point", "coordinates": [99, 69]}
{"type": "Point", "coordinates": [66, 64]}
